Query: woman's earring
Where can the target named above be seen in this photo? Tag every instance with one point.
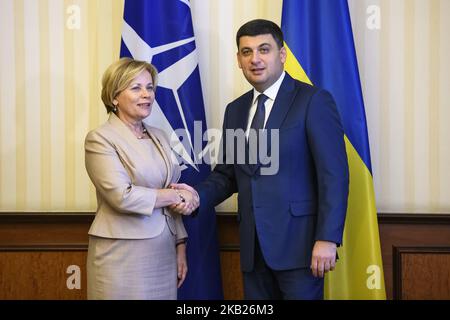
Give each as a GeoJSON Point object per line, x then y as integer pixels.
{"type": "Point", "coordinates": [115, 108]}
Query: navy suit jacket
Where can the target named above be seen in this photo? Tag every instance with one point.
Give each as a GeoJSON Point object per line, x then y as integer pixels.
{"type": "Point", "coordinates": [306, 200]}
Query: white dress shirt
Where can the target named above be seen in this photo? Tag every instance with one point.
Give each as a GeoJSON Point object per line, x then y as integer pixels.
{"type": "Point", "coordinates": [271, 93]}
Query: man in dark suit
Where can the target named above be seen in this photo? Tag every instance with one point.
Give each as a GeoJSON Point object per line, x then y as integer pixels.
{"type": "Point", "coordinates": [290, 220]}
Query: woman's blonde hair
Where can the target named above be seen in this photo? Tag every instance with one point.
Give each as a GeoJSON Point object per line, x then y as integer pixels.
{"type": "Point", "coordinates": [118, 77]}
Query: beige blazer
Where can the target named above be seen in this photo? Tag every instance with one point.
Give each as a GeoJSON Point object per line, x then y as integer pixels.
{"type": "Point", "coordinates": [124, 177]}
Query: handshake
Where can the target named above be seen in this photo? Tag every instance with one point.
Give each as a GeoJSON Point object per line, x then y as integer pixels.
{"type": "Point", "coordinates": [189, 199]}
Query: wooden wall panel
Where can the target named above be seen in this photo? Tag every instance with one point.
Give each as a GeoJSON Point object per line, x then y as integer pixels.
{"type": "Point", "coordinates": [424, 231]}
{"type": "Point", "coordinates": [231, 275]}
{"type": "Point", "coordinates": [44, 228]}
{"type": "Point", "coordinates": [36, 248]}
{"type": "Point", "coordinates": [422, 273]}
{"type": "Point", "coordinates": [228, 234]}
{"type": "Point", "coordinates": [41, 273]}
{"type": "Point", "coordinates": [35, 251]}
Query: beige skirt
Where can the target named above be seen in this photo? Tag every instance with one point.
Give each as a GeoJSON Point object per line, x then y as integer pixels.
{"type": "Point", "coordinates": [144, 269]}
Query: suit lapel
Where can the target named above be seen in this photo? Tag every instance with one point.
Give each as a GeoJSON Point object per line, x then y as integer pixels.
{"type": "Point", "coordinates": [244, 109]}
{"type": "Point", "coordinates": [164, 153]}
{"type": "Point", "coordinates": [282, 104]}
{"type": "Point", "coordinates": [126, 134]}
{"type": "Point", "coordinates": [242, 123]}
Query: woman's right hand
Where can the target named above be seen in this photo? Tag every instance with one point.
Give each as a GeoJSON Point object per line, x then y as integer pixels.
{"type": "Point", "coordinates": [191, 199]}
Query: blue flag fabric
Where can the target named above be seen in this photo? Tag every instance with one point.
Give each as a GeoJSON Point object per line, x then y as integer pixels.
{"type": "Point", "coordinates": [161, 33]}
{"type": "Point", "coordinates": [319, 40]}
{"type": "Point", "coordinates": [319, 34]}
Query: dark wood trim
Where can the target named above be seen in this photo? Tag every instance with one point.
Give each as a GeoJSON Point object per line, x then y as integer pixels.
{"type": "Point", "coordinates": [229, 248]}
{"type": "Point", "coordinates": [87, 218]}
{"type": "Point", "coordinates": [78, 217]}
{"type": "Point", "coordinates": [397, 263]}
{"type": "Point", "coordinates": [413, 218]}
{"type": "Point", "coordinates": [384, 217]}
{"type": "Point", "coordinates": [46, 217]}
{"type": "Point", "coordinates": [45, 247]}
{"type": "Point", "coordinates": [226, 216]}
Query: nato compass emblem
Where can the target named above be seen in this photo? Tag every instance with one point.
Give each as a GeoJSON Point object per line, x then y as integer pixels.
{"type": "Point", "coordinates": [167, 41]}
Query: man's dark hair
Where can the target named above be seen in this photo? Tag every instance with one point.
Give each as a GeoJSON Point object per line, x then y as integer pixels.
{"type": "Point", "coordinates": [258, 27]}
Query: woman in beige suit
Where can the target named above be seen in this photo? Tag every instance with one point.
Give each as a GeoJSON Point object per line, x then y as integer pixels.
{"type": "Point", "coordinates": [137, 247]}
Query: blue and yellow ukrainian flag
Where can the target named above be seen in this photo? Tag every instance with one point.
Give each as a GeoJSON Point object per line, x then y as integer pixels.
{"type": "Point", "coordinates": [319, 40]}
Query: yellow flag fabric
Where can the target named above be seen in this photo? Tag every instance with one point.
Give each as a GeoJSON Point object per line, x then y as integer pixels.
{"type": "Point", "coordinates": [319, 42]}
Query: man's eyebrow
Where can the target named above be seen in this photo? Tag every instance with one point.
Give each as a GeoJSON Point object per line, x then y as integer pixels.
{"type": "Point", "coordinates": [259, 46]}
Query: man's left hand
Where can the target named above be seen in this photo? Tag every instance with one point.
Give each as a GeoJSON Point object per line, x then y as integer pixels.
{"type": "Point", "coordinates": [323, 258]}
